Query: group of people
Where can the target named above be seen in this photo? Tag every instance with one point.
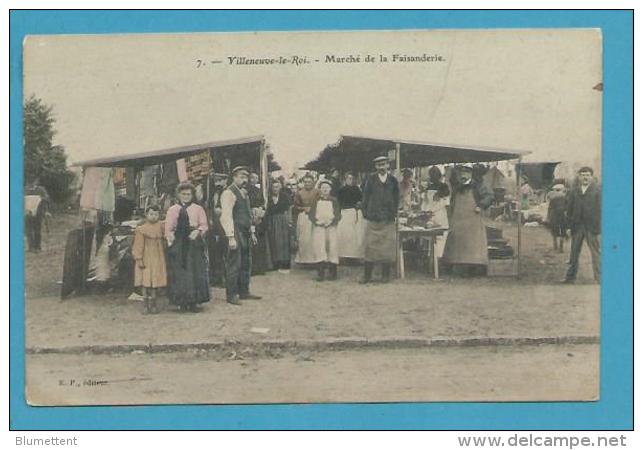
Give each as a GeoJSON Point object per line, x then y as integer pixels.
{"type": "Point", "coordinates": [317, 223]}
{"type": "Point", "coordinates": [336, 221]}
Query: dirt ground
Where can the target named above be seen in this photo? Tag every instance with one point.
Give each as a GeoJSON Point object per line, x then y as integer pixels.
{"type": "Point", "coordinates": [552, 372]}
{"type": "Point", "coordinates": [296, 307]}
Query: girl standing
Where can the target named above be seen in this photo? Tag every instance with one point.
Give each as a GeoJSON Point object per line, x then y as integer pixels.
{"type": "Point", "coordinates": [324, 215]}
{"type": "Point", "coordinates": [150, 272]}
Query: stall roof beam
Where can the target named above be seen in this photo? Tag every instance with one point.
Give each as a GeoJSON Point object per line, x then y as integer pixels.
{"type": "Point", "coordinates": [168, 154]}
{"type": "Point", "coordinates": [357, 152]}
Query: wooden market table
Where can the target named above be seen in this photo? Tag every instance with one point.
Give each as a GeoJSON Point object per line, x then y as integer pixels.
{"type": "Point", "coordinates": [430, 234]}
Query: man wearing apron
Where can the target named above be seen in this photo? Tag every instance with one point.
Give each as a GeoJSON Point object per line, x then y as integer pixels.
{"type": "Point", "coordinates": [379, 205]}
{"type": "Point", "coordinates": [466, 246]}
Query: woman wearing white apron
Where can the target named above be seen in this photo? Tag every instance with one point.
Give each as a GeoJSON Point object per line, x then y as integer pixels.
{"type": "Point", "coordinates": [324, 215]}
{"type": "Point", "coordinates": [351, 228]}
{"type": "Point", "coordinates": [304, 199]}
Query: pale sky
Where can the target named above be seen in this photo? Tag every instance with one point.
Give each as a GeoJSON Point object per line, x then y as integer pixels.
{"type": "Point", "coordinates": [528, 90]}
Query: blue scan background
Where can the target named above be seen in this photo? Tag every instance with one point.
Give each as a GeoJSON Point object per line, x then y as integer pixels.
{"type": "Point", "coordinates": [615, 408]}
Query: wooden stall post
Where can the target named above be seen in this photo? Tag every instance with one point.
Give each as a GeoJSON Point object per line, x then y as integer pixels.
{"type": "Point", "coordinates": [263, 167]}
{"type": "Point", "coordinates": [519, 199]}
{"type": "Point", "coordinates": [400, 252]}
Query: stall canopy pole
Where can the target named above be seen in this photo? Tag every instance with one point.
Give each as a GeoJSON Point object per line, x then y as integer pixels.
{"type": "Point", "coordinates": [264, 169]}
{"type": "Point", "coordinates": [397, 214]}
{"type": "Point", "coordinates": [519, 199]}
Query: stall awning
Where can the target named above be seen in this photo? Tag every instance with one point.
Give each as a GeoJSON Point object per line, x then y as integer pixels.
{"type": "Point", "coordinates": [539, 174]}
{"type": "Point", "coordinates": [357, 152]}
{"type": "Point", "coordinates": [148, 158]}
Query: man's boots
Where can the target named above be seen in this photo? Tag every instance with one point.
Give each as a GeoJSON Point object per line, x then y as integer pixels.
{"type": "Point", "coordinates": [332, 271]}
{"type": "Point", "coordinates": [320, 271]}
{"type": "Point", "coordinates": [368, 273]}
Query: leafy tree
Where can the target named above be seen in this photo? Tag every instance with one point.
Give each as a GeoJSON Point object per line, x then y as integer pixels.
{"type": "Point", "coordinates": [43, 160]}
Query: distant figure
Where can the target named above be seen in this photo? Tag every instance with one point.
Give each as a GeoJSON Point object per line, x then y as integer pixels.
{"type": "Point", "coordinates": [278, 224]}
{"type": "Point", "coordinates": [324, 214]}
{"type": "Point", "coordinates": [406, 190]}
{"type": "Point", "coordinates": [333, 177]}
{"type": "Point", "coordinates": [351, 227]}
{"type": "Point", "coordinates": [584, 221]}
{"type": "Point", "coordinates": [304, 199]}
{"type": "Point", "coordinates": [186, 225]}
{"type": "Point", "coordinates": [379, 205]}
{"type": "Point", "coordinates": [150, 272]}
{"type": "Point", "coordinates": [436, 199]}
{"type": "Point", "coordinates": [556, 216]}
{"type": "Point", "coordinates": [36, 213]}
{"type": "Point", "coordinates": [466, 245]}
{"type": "Point", "coordinates": [525, 193]}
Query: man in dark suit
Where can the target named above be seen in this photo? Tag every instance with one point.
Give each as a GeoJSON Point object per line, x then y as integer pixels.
{"type": "Point", "coordinates": [584, 221]}
{"type": "Point", "coordinates": [380, 201]}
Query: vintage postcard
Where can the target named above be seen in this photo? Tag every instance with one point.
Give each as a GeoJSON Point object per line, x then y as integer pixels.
{"type": "Point", "coordinates": [295, 217]}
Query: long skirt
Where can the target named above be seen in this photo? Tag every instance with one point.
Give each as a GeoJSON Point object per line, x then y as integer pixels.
{"type": "Point", "coordinates": [188, 284]}
{"type": "Point", "coordinates": [279, 238]}
{"type": "Point", "coordinates": [467, 239]}
{"type": "Point", "coordinates": [305, 251]}
{"type": "Point", "coordinates": [350, 234]}
{"type": "Point", "coordinates": [325, 244]}
{"type": "Point", "coordinates": [557, 223]}
{"type": "Point", "coordinates": [380, 242]}
{"type": "Point", "coordinates": [261, 253]}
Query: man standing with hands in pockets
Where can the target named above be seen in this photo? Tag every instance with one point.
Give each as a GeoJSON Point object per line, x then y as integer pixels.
{"type": "Point", "coordinates": [236, 220]}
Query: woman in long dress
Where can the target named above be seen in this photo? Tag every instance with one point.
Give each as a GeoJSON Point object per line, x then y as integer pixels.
{"type": "Point", "coordinates": [278, 224]}
{"type": "Point", "coordinates": [185, 227]}
{"type": "Point", "coordinates": [304, 199]}
{"type": "Point", "coordinates": [351, 227]}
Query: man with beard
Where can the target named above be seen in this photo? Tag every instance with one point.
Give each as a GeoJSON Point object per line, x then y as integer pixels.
{"type": "Point", "coordinates": [466, 246]}
{"type": "Point", "coordinates": [380, 202]}
{"type": "Point", "coordinates": [236, 220]}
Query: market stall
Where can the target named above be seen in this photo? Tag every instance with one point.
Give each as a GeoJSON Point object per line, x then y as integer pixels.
{"type": "Point", "coordinates": [356, 153]}
{"type": "Point", "coordinates": [116, 190]}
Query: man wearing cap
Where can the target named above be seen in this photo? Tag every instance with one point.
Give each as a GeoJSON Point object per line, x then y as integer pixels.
{"type": "Point", "coordinates": [236, 220]}
{"type": "Point", "coordinates": [584, 221]}
{"type": "Point", "coordinates": [380, 202]}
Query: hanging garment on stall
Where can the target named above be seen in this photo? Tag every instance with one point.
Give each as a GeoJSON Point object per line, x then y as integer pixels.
{"type": "Point", "coordinates": [130, 183]}
{"type": "Point", "coordinates": [98, 189]}
{"type": "Point", "coordinates": [91, 180]}
{"type": "Point", "coordinates": [181, 170]}
{"type": "Point", "coordinates": [105, 196]}
{"type": "Point", "coordinates": [148, 181]}
{"type": "Point", "coordinates": [169, 178]}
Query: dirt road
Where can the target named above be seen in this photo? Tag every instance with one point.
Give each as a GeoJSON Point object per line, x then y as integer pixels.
{"type": "Point", "coordinates": [551, 372]}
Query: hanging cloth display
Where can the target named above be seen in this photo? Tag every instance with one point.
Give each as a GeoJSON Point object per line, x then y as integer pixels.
{"type": "Point", "coordinates": [98, 189]}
